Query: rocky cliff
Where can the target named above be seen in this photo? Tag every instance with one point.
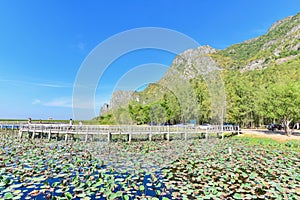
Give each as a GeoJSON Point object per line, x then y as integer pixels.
{"type": "Point", "coordinates": [120, 98]}
{"type": "Point", "coordinates": [104, 109]}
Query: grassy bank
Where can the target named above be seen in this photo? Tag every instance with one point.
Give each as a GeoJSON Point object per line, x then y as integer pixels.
{"type": "Point", "coordinates": [273, 141]}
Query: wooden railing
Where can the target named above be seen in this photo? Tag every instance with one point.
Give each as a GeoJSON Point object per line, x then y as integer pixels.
{"type": "Point", "coordinates": [129, 130]}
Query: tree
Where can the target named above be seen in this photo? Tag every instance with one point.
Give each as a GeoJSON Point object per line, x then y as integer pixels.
{"type": "Point", "coordinates": [139, 113]}
{"type": "Point", "coordinates": [122, 116]}
{"type": "Point", "coordinates": [282, 102]}
{"type": "Point", "coordinates": [172, 108]}
{"type": "Point", "coordinates": [238, 99]}
{"type": "Point", "coordinates": [203, 99]}
{"type": "Point", "coordinates": [157, 113]}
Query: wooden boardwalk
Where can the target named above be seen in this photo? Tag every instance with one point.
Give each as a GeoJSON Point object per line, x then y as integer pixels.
{"type": "Point", "coordinates": [130, 131]}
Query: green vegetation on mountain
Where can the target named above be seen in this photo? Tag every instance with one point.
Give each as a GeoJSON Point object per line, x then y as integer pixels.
{"type": "Point", "coordinates": [281, 41]}
{"type": "Point", "coordinates": [261, 79]}
{"type": "Point", "coordinates": [156, 105]}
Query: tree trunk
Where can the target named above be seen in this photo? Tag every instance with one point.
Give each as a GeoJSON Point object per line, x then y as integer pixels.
{"type": "Point", "coordinates": [286, 125]}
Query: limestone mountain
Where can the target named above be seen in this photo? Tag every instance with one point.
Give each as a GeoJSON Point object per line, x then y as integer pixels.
{"type": "Point", "coordinates": [280, 44]}
{"type": "Point", "coordinates": [249, 70]}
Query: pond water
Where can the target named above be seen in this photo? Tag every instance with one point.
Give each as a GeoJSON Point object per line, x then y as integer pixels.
{"type": "Point", "coordinates": [232, 168]}
{"type": "Point", "coordinates": [44, 170]}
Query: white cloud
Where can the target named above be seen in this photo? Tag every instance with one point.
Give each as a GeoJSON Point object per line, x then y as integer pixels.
{"type": "Point", "coordinates": [65, 102]}
{"type": "Point", "coordinates": [52, 85]}
{"type": "Point", "coordinates": [59, 102]}
{"type": "Point", "coordinates": [36, 101]}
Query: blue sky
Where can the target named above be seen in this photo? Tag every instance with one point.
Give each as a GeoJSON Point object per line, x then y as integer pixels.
{"type": "Point", "coordinates": [43, 43]}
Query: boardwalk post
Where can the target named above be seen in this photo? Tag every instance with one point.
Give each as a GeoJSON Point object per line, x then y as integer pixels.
{"type": "Point", "coordinates": [181, 132]}
{"type": "Point", "coordinates": [109, 136]}
{"type": "Point", "coordinates": [42, 131]}
{"type": "Point", "coordinates": [57, 133]}
{"type": "Point", "coordinates": [33, 133]}
{"type": "Point", "coordinates": [92, 137]}
{"type": "Point", "coordinates": [66, 137]}
{"type": "Point", "coordinates": [49, 135]}
{"type": "Point", "coordinates": [222, 129]}
{"type": "Point", "coordinates": [129, 137]}
{"type": "Point", "coordinates": [185, 133]}
{"type": "Point", "coordinates": [86, 138]}
{"type": "Point", "coordinates": [150, 134]}
{"type": "Point", "coordinates": [161, 131]}
{"type": "Point", "coordinates": [12, 128]}
{"type": "Point", "coordinates": [130, 132]}
{"type": "Point", "coordinates": [86, 134]}
{"type": "Point", "coordinates": [28, 131]}
{"type": "Point", "coordinates": [20, 133]}
{"type": "Point", "coordinates": [168, 135]}
{"type": "Point", "coordinates": [127, 130]}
